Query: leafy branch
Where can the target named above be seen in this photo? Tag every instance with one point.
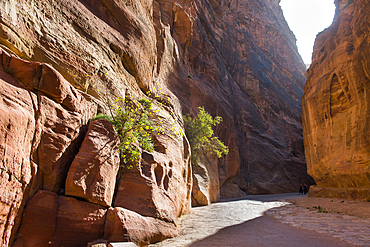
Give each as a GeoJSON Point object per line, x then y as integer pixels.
{"type": "Point", "coordinates": [135, 122]}
{"type": "Point", "coordinates": [201, 136]}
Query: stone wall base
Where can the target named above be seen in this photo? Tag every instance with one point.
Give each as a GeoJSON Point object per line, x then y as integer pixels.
{"type": "Point", "coordinates": [361, 194]}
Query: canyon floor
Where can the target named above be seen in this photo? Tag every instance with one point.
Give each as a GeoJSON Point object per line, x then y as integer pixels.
{"type": "Point", "coordinates": [275, 220]}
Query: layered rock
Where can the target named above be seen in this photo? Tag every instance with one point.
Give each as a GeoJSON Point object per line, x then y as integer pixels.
{"type": "Point", "coordinates": [244, 66]}
{"type": "Point", "coordinates": [238, 60]}
{"type": "Point", "coordinates": [335, 106]}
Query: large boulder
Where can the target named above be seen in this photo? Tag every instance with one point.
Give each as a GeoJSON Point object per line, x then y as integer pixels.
{"type": "Point", "coordinates": [206, 188]}
{"type": "Point", "coordinates": [160, 186]}
{"type": "Point", "coordinates": [123, 225]}
{"type": "Point", "coordinates": [78, 222]}
{"type": "Point", "coordinates": [92, 175]}
{"type": "Point", "coordinates": [335, 105]}
{"type": "Point", "coordinates": [38, 220]}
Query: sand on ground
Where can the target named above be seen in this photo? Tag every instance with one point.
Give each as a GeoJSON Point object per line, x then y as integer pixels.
{"type": "Point", "coordinates": [359, 209]}
{"type": "Point", "coordinates": [269, 220]}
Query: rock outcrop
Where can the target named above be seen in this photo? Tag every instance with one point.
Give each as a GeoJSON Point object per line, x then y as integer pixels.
{"type": "Point", "coordinates": [39, 220]}
{"type": "Point", "coordinates": [43, 123]}
{"type": "Point", "coordinates": [40, 135]}
{"type": "Point", "coordinates": [93, 172]}
{"type": "Point", "coordinates": [335, 105]}
{"type": "Point", "coordinates": [127, 226]}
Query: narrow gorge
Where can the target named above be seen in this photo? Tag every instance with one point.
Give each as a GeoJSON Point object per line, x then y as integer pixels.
{"type": "Point", "coordinates": [60, 182]}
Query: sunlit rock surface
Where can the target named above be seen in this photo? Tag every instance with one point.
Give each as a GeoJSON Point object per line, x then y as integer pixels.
{"type": "Point", "coordinates": [123, 225]}
{"type": "Point", "coordinates": [335, 106]}
{"type": "Point", "coordinates": [93, 172]}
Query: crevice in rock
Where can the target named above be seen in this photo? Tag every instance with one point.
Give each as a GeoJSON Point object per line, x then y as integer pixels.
{"type": "Point", "coordinates": [72, 151]}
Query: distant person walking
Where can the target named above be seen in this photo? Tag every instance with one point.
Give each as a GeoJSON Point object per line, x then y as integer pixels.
{"type": "Point", "coordinates": [305, 189]}
{"type": "Point", "coordinates": [300, 189]}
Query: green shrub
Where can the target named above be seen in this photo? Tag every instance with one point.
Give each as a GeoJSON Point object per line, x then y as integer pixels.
{"type": "Point", "coordinates": [200, 135]}
{"type": "Point", "coordinates": [136, 122]}
{"type": "Point", "coordinates": [130, 119]}
{"type": "Point", "coordinates": [132, 124]}
{"type": "Point", "coordinates": [101, 116]}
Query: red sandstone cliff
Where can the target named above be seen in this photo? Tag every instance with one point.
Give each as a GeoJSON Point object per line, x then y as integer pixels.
{"type": "Point", "coordinates": [335, 105]}
{"type": "Point", "coordinates": [238, 59]}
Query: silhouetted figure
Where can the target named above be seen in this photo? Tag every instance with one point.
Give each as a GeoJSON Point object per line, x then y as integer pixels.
{"type": "Point", "coordinates": [300, 189]}
{"type": "Point", "coordinates": [305, 189]}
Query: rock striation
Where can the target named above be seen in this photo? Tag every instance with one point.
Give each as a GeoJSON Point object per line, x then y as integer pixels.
{"type": "Point", "coordinates": [244, 66]}
{"type": "Point", "coordinates": [335, 106]}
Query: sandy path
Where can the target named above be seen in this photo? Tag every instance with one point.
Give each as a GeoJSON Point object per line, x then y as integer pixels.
{"type": "Point", "coordinates": [243, 222]}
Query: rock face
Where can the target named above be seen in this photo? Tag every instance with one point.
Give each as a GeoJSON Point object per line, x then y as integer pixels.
{"type": "Point", "coordinates": [238, 59]}
{"type": "Point", "coordinates": [335, 106]}
{"type": "Point", "coordinates": [244, 66]}
{"type": "Point", "coordinates": [158, 187]}
{"type": "Point", "coordinates": [92, 175]}
{"type": "Point", "coordinates": [39, 134]}
{"type": "Point", "coordinates": [78, 222]}
{"type": "Point", "coordinates": [206, 188]}
{"type": "Point", "coordinates": [39, 220]}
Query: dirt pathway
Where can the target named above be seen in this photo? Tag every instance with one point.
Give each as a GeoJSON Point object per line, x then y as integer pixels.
{"type": "Point", "coordinates": [267, 221]}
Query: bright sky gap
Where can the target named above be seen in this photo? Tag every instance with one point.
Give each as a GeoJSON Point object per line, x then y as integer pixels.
{"type": "Point", "coordinates": [306, 18]}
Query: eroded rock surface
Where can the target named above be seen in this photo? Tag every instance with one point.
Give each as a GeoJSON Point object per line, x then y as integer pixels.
{"type": "Point", "coordinates": [38, 221]}
{"type": "Point", "coordinates": [159, 186]}
{"type": "Point", "coordinates": [238, 60]}
{"type": "Point", "coordinates": [243, 65]}
{"type": "Point", "coordinates": [335, 105]}
{"type": "Point", "coordinates": [78, 222]}
{"type": "Point", "coordinates": [206, 188]}
{"type": "Point", "coordinates": [93, 172]}
{"type": "Point", "coordinates": [40, 134]}
{"type": "Point", "coordinates": [123, 225]}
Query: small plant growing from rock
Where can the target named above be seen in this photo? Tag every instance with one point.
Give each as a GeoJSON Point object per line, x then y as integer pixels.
{"type": "Point", "coordinates": [132, 120]}
{"type": "Point", "coordinates": [200, 135]}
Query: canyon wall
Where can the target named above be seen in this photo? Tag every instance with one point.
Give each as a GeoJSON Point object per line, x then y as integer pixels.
{"type": "Point", "coordinates": [244, 66]}
{"type": "Point", "coordinates": [336, 105]}
{"type": "Point", "coordinates": [238, 59]}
